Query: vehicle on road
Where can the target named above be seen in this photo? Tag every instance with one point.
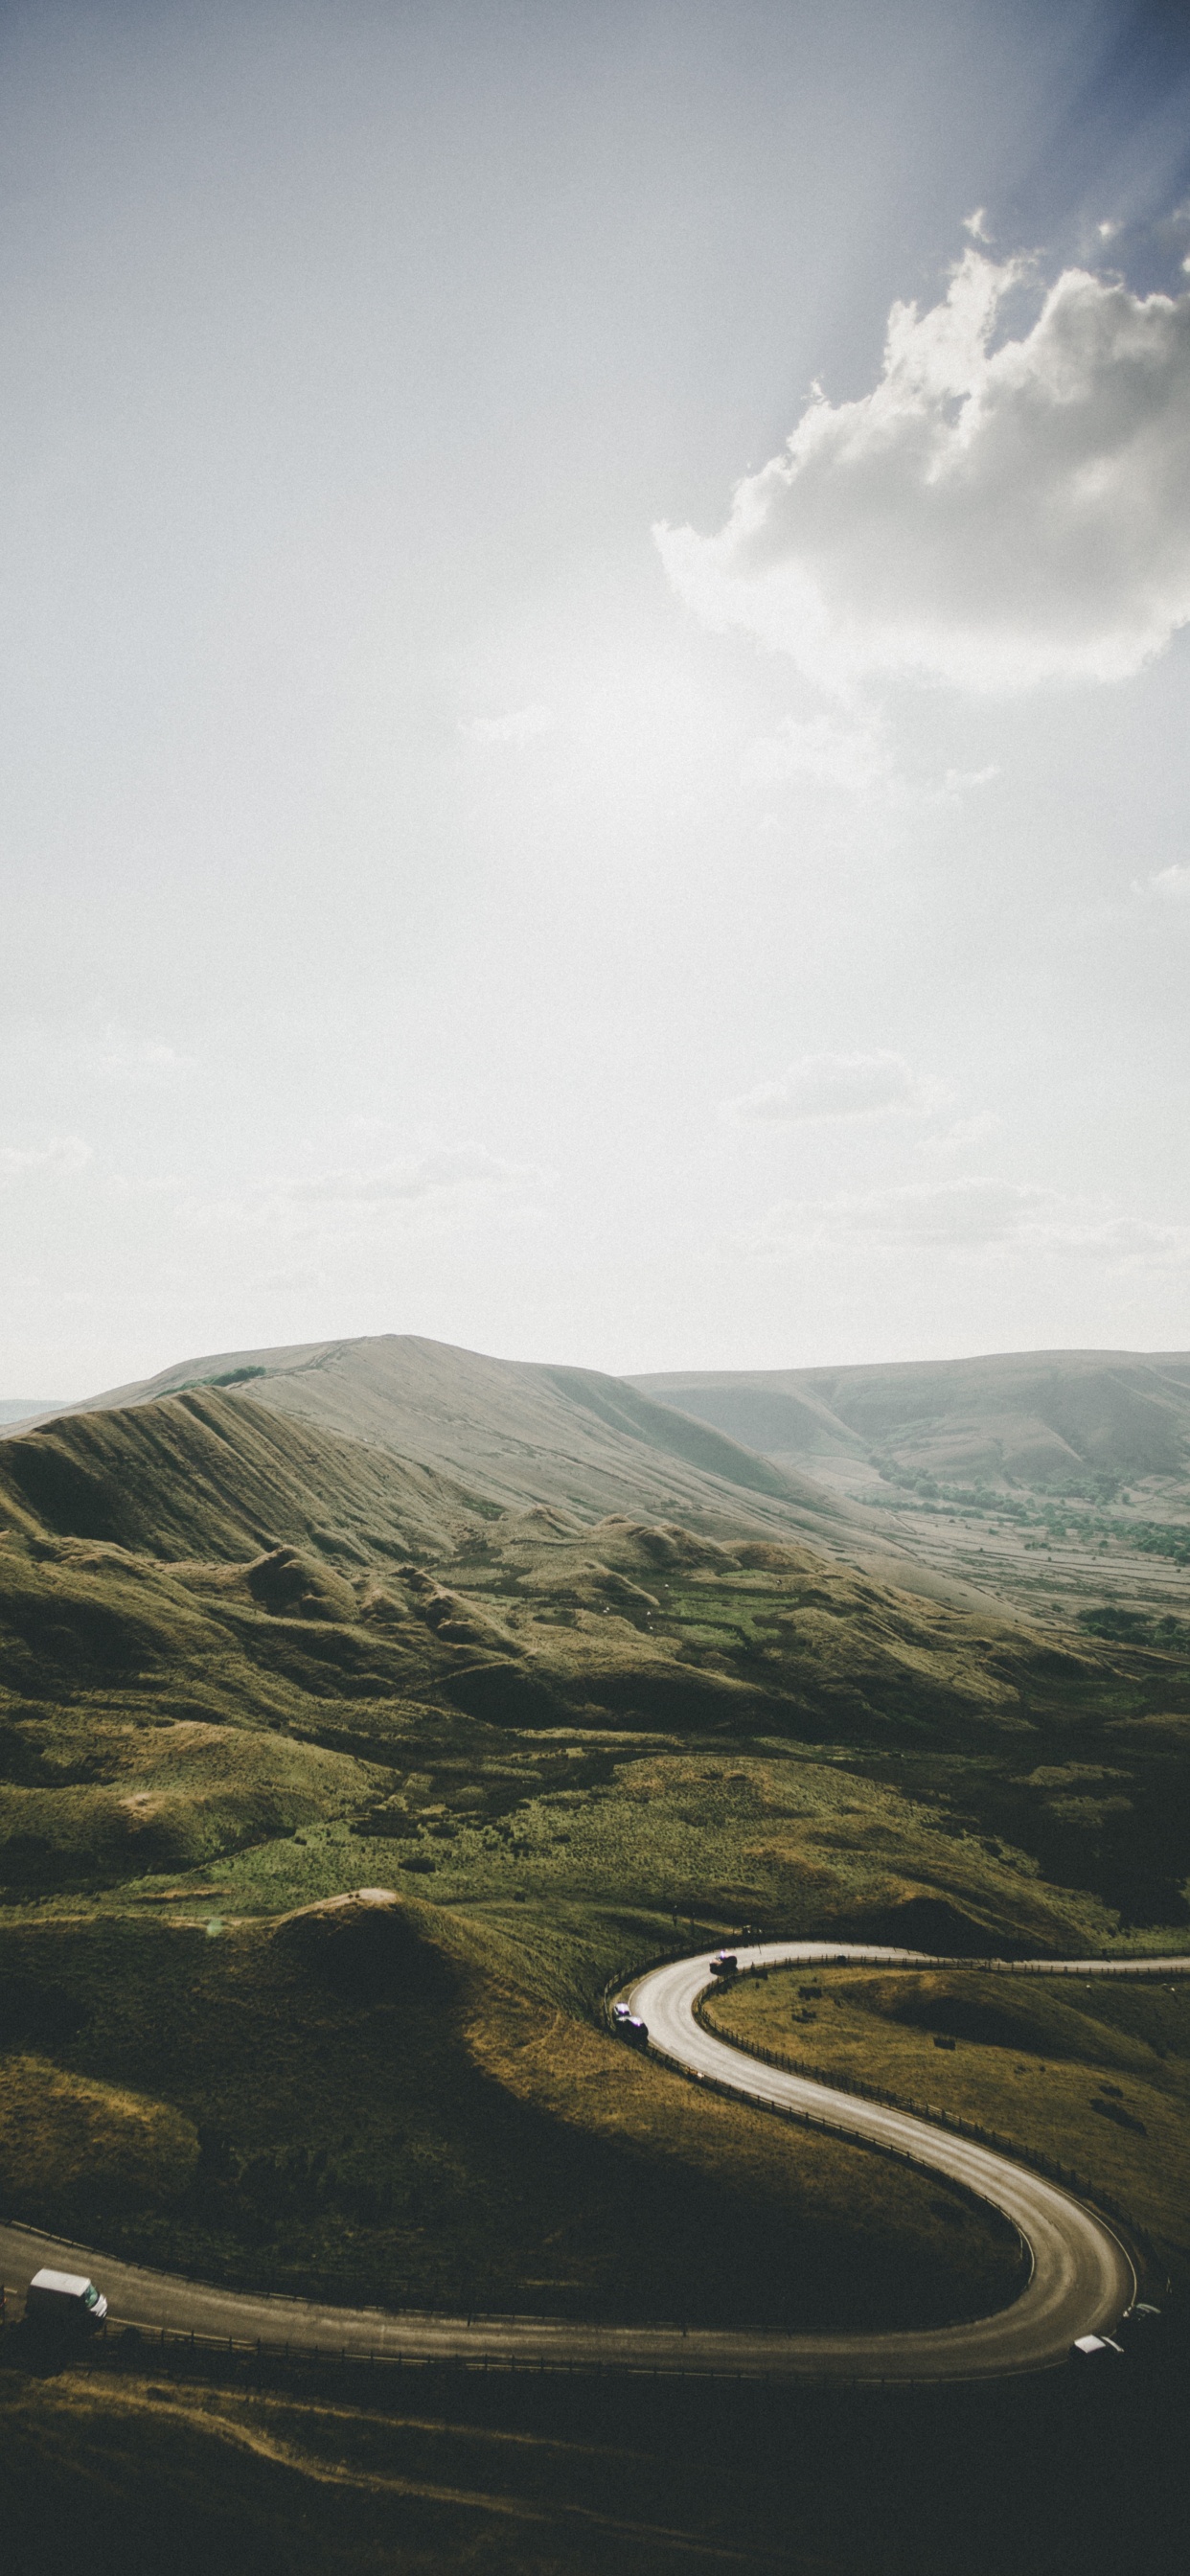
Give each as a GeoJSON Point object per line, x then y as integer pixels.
{"type": "Point", "coordinates": [64, 2303]}
{"type": "Point", "coordinates": [636, 2031]}
{"type": "Point", "coordinates": [724, 1964]}
{"type": "Point", "coordinates": [1096, 2348]}
{"type": "Point", "coordinates": [621, 2012]}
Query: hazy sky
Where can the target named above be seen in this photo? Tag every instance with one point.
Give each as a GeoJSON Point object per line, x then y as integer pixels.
{"type": "Point", "coordinates": [596, 749]}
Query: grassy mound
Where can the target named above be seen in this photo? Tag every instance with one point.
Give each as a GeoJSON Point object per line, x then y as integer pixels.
{"type": "Point", "coordinates": [158, 1798]}
{"type": "Point", "coordinates": [79, 2150]}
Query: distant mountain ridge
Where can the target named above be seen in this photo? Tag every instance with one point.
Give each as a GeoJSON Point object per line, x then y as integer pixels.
{"type": "Point", "coordinates": [1045, 1419]}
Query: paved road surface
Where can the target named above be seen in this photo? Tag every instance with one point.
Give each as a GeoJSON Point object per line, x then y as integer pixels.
{"type": "Point", "coordinates": [1081, 2279]}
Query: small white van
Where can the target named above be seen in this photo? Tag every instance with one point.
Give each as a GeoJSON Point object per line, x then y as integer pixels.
{"type": "Point", "coordinates": [65, 2300]}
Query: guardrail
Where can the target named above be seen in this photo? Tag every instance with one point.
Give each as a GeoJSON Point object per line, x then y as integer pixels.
{"type": "Point", "coordinates": [166, 2351]}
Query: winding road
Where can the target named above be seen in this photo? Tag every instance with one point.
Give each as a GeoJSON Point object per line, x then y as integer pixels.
{"type": "Point", "coordinates": [1080, 2282]}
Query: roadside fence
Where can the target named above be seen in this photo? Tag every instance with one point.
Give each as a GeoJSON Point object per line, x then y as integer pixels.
{"type": "Point", "coordinates": [1012, 2149]}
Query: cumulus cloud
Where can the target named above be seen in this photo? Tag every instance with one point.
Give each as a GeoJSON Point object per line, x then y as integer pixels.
{"type": "Point", "coordinates": [522, 724]}
{"type": "Point", "coordinates": [976, 1214]}
{"type": "Point", "coordinates": [993, 515]}
{"type": "Point", "coordinates": [62, 1156]}
{"type": "Point", "coordinates": [836, 1086]}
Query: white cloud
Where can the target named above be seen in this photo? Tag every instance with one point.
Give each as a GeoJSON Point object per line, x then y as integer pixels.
{"type": "Point", "coordinates": [523, 724]}
{"type": "Point", "coordinates": [62, 1156]}
{"type": "Point", "coordinates": [977, 225]}
{"type": "Point", "coordinates": [991, 517]}
{"type": "Point", "coordinates": [977, 1214]}
{"type": "Point", "coordinates": [1169, 885]}
{"type": "Point", "coordinates": [837, 1086]}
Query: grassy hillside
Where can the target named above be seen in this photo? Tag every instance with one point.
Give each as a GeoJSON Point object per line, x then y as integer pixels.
{"type": "Point", "coordinates": [1060, 1421]}
{"type": "Point", "coordinates": [268, 2470]}
{"type": "Point", "coordinates": [249, 1664]}
{"type": "Point", "coordinates": [1095, 2077]}
{"type": "Point", "coordinates": [161, 1709]}
{"type": "Point", "coordinates": [380, 2099]}
{"type": "Point", "coordinates": [205, 1476]}
{"type": "Point", "coordinates": [512, 1432]}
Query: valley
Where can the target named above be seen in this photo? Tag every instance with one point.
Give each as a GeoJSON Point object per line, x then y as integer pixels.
{"type": "Point", "coordinates": [573, 1687]}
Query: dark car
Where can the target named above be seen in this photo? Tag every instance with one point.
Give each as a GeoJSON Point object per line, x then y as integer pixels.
{"type": "Point", "coordinates": [724, 1964]}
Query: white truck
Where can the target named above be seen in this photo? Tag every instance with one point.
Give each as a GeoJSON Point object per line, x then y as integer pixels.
{"type": "Point", "coordinates": [64, 2302]}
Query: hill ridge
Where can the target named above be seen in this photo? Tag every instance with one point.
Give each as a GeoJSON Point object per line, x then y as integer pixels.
{"type": "Point", "coordinates": [511, 1432]}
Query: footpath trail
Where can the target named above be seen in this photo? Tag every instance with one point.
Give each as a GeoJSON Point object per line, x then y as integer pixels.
{"type": "Point", "coordinates": [1080, 2282]}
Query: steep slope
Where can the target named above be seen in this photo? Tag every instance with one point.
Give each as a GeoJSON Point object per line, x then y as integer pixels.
{"type": "Point", "coordinates": [512, 1432]}
{"type": "Point", "coordinates": [1044, 1419]}
{"type": "Point", "coordinates": [200, 1475]}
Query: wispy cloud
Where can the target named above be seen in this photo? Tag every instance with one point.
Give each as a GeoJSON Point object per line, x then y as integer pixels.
{"type": "Point", "coordinates": [1169, 885]}
{"type": "Point", "coordinates": [857, 758]}
{"type": "Point", "coordinates": [826, 749]}
{"type": "Point", "coordinates": [975, 1214]}
{"type": "Point", "coordinates": [60, 1158]}
{"type": "Point", "coordinates": [127, 1055]}
{"type": "Point", "coordinates": [449, 1179]}
{"type": "Point", "coordinates": [521, 725]}
{"type": "Point", "coordinates": [989, 517]}
{"type": "Point", "coordinates": [449, 1170]}
{"type": "Point", "coordinates": [838, 1086]}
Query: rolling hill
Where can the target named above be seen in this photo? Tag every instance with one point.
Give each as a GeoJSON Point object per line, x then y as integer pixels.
{"type": "Point", "coordinates": [510, 1432]}
{"type": "Point", "coordinates": [1051, 1421]}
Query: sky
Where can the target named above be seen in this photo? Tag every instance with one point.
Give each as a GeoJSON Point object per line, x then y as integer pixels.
{"type": "Point", "coordinates": [595, 691]}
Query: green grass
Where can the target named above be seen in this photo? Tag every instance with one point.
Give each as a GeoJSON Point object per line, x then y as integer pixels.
{"type": "Point", "coordinates": [1095, 2077]}
{"type": "Point", "coordinates": [390, 2107]}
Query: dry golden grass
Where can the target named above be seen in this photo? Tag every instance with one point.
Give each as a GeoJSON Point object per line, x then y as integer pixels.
{"type": "Point", "coordinates": [1094, 2077]}
{"type": "Point", "coordinates": [65, 2133]}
